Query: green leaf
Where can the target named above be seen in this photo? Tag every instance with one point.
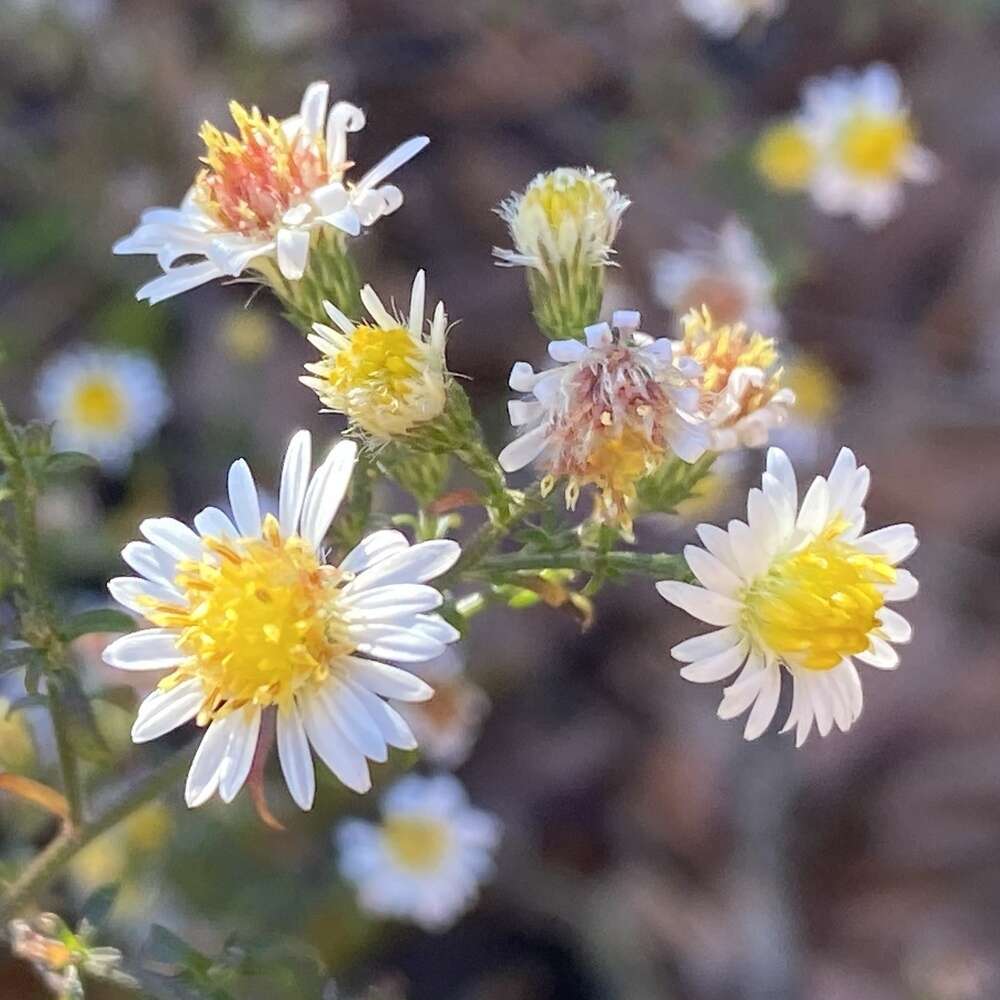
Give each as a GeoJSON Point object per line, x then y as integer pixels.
{"type": "Point", "coordinates": [68, 463]}
{"type": "Point", "coordinates": [98, 620]}
{"type": "Point", "coordinates": [84, 735]}
{"type": "Point", "coordinates": [166, 948]}
{"type": "Point", "coordinates": [98, 905]}
{"type": "Point", "coordinates": [19, 658]}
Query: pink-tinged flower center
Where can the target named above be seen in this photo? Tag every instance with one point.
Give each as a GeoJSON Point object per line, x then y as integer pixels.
{"type": "Point", "coordinates": [252, 179]}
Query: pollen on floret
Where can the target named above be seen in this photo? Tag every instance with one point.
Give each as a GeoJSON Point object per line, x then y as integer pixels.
{"type": "Point", "coordinates": [260, 622]}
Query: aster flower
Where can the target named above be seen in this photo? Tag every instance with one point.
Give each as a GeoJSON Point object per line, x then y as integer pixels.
{"type": "Point", "coordinates": [564, 227]}
{"type": "Point", "coordinates": [447, 726]}
{"type": "Point", "coordinates": [867, 138]}
{"type": "Point", "coordinates": [724, 271]}
{"type": "Point", "coordinates": [264, 195]}
{"type": "Point", "coordinates": [248, 617]}
{"type": "Point", "coordinates": [742, 398]}
{"type": "Point", "coordinates": [726, 18]}
{"type": "Point", "coordinates": [427, 858]}
{"type": "Point", "coordinates": [798, 588]}
{"type": "Point", "coordinates": [609, 414]}
{"type": "Point", "coordinates": [106, 403]}
{"type": "Point", "coordinates": [387, 376]}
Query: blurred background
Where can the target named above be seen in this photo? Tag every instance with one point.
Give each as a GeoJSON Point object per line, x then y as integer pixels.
{"type": "Point", "coordinates": [650, 854]}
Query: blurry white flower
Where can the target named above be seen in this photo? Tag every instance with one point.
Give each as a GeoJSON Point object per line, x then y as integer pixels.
{"type": "Point", "coordinates": [264, 193]}
{"type": "Point", "coordinates": [742, 398]}
{"type": "Point", "coordinates": [104, 402]}
{"type": "Point", "coordinates": [610, 413]}
{"type": "Point", "coordinates": [724, 271]}
{"type": "Point", "coordinates": [867, 143]}
{"type": "Point", "coordinates": [447, 726]}
{"type": "Point", "coordinates": [800, 588]}
{"type": "Point", "coordinates": [387, 376]}
{"type": "Point", "coordinates": [248, 617]}
{"type": "Point", "coordinates": [726, 18]}
{"type": "Point", "coordinates": [427, 858]}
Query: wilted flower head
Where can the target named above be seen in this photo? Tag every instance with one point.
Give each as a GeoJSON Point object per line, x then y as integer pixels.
{"type": "Point", "coordinates": [263, 194]}
{"type": "Point", "coordinates": [387, 376]}
{"type": "Point", "coordinates": [612, 411]}
{"type": "Point", "coordinates": [724, 271]}
{"type": "Point", "coordinates": [742, 398]}
{"type": "Point", "coordinates": [725, 18]}
{"type": "Point", "coordinates": [106, 403]}
{"type": "Point", "coordinates": [797, 588]}
{"type": "Point", "coordinates": [427, 858]}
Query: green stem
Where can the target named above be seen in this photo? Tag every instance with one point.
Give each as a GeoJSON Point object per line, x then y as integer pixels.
{"type": "Point", "coordinates": [68, 761]}
{"type": "Point", "coordinates": [72, 839]}
{"type": "Point", "coordinates": [23, 492]}
{"type": "Point", "coordinates": [661, 565]}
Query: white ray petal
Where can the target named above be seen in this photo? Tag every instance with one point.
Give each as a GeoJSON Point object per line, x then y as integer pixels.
{"type": "Point", "coordinates": [417, 564]}
{"type": "Point", "coordinates": [295, 757]}
{"type": "Point", "coordinates": [293, 252]}
{"type": "Point", "coordinates": [701, 646]}
{"type": "Point", "coordinates": [711, 572]}
{"type": "Point", "coordinates": [717, 667]}
{"type": "Point", "coordinates": [150, 649]}
{"type": "Point", "coordinates": [711, 608]}
{"type": "Point", "coordinates": [294, 482]}
{"type": "Point", "coordinates": [175, 538]}
{"type": "Point", "coordinates": [326, 491]}
{"type": "Point", "coordinates": [213, 523]}
{"type": "Point", "coordinates": [388, 681]}
{"type": "Point", "coordinates": [374, 548]}
{"type": "Point", "coordinates": [332, 746]}
{"type": "Point", "coordinates": [164, 711]}
{"type": "Point", "coordinates": [239, 753]}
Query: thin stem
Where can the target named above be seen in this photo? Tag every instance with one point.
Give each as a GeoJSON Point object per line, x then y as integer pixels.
{"type": "Point", "coordinates": [68, 762]}
{"type": "Point", "coordinates": [660, 565]}
{"type": "Point", "coordinates": [22, 488]}
{"type": "Point", "coordinates": [71, 840]}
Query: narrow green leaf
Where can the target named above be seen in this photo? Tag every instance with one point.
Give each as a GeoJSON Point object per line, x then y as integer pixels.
{"type": "Point", "coordinates": [98, 620]}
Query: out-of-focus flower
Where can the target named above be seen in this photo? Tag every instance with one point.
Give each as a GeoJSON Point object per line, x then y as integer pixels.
{"type": "Point", "coordinates": [742, 397]}
{"type": "Point", "coordinates": [817, 398]}
{"type": "Point", "coordinates": [725, 272]}
{"type": "Point", "coordinates": [386, 377]}
{"type": "Point", "coordinates": [564, 227]}
{"type": "Point", "coordinates": [607, 416]}
{"type": "Point", "coordinates": [247, 335]}
{"type": "Point", "coordinates": [447, 726]}
{"type": "Point", "coordinates": [786, 155]}
{"type": "Point", "coordinates": [103, 402]}
{"type": "Point", "coordinates": [264, 195]}
{"type": "Point", "coordinates": [800, 588]}
{"type": "Point", "coordinates": [59, 955]}
{"type": "Point", "coordinates": [726, 18]}
{"type": "Point", "coordinates": [249, 617]}
{"type": "Point", "coordinates": [427, 858]}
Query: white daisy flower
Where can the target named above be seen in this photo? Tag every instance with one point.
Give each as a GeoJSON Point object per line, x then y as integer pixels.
{"type": "Point", "coordinates": [249, 617]}
{"type": "Point", "coordinates": [867, 140]}
{"type": "Point", "coordinates": [799, 588]}
{"type": "Point", "coordinates": [427, 858]}
{"type": "Point", "coordinates": [724, 271]}
{"type": "Point", "coordinates": [726, 18]}
{"type": "Point", "coordinates": [264, 193]}
{"type": "Point", "coordinates": [106, 403]}
{"type": "Point", "coordinates": [448, 725]}
{"type": "Point", "coordinates": [742, 398]}
{"type": "Point", "coordinates": [387, 376]}
{"type": "Point", "coordinates": [609, 414]}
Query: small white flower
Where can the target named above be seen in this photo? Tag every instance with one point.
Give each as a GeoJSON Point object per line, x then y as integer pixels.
{"type": "Point", "coordinates": [386, 377]}
{"type": "Point", "coordinates": [447, 726]}
{"type": "Point", "coordinates": [862, 127]}
{"type": "Point", "coordinates": [607, 415]}
{"type": "Point", "coordinates": [724, 271]}
{"type": "Point", "coordinates": [106, 403]}
{"type": "Point", "coordinates": [726, 18]}
{"type": "Point", "coordinates": [427, 858]}
{"type": "Point", "coordinates": [799, 588]}
{"type": "Point", "coordinates": [570, 215]}
{"type": "Point", "coordinates": [249, 617]}
{"type": "Point", "coordinates": [264, 193]}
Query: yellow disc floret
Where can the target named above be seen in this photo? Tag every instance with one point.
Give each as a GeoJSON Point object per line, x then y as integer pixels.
{"type": "Point", "coordinates": [415, 842]}
{"type": "Point", "coordinates": [786, 157]}
{"type": "Point", "coordinates": [565, 196]}
{"type": "Point", "coordinates": [818, 605]}
{"type": "Point", "coordinates": [97, 404]}
{"type": "Point", "coordinates": [261, 622]}
{"type": "Point", "coordinates": [873, 146]}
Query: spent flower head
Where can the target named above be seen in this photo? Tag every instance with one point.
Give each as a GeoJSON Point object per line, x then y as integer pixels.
{"type": "Point", "coordinates": [742, 397]}
{"type": "Point", "coordinates": [800, 589]}
{"type": "Point", "coordinates": [426, 859]}
{"type": "Point", "coordinates": [609, 414]}
{"type": "Point", "coordinates": [265, 194]}
{"type": "Point", "coordinates": [250, 618]}
{"type": "Point", "coordinates": [387, 376]}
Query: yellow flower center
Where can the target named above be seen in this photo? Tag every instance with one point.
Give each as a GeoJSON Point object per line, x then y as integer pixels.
{"type": "Point", "coordinates": [377, 366]}
{"type": "Point", "coordinates": [873, 145]}
{"type": "Point", "coordinates": [617, 463]}
{"type": "Point", "coordinates": [819, 604]}
{"type": "Point", "coordinates": [262, 621]}
{"type": "Point", "coordinates": [562, 196]}
{"type": "Point", "coordinates": [415, 843]}
{"type": "Point", "coordinates": [253, 178]}
{"type": "Point", "coordinates": [786, 157]}
{"type": "Point", "coordinates": [97, 404]}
